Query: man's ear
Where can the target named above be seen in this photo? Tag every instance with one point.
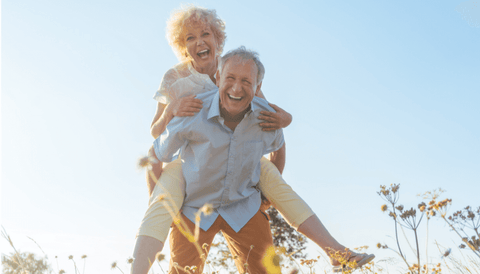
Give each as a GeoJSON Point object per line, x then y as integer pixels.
{"type": "Point", "coordinates": [259, 87]}
{"type": "Point", "coordinates": [217, 78]}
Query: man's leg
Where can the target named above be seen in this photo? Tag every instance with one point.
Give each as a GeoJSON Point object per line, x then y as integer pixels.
{"type": "Point", "coordinates": [255, 233]}
{"type": "Point", "coordinates": [184, 253]}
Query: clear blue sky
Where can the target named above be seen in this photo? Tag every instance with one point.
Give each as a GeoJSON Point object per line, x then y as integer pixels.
{"type": "Point", "coordinates": [381, 92]}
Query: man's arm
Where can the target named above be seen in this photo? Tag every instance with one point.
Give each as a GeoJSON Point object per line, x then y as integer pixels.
{"type": "Point", "coordinates": [278, 158]}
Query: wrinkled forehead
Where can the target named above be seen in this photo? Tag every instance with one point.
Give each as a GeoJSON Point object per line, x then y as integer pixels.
{"type": "Point", "coordinates": [237, 64]}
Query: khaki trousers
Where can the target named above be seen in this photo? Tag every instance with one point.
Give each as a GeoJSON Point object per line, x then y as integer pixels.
{"type": "Point", "coordinates": [255, 233]}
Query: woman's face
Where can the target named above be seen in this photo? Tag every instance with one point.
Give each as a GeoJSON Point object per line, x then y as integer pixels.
{"type": "Point", "coordinates": [201, 46]}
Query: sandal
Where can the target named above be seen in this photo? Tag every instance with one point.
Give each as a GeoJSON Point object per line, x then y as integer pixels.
{"type": "Point", "coordinates": [366, 259]}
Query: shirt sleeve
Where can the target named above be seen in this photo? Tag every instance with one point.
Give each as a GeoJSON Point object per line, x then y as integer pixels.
{"type": "Point", "coordinates": [171, 140]}
{"type": "Point", "coordinates": [276, 142]}
{"type": "Point", "coordinates": [164, 93]}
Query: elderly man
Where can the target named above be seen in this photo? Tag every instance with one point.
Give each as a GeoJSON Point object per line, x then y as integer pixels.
{"type": "Point", "coordinates": [221, 165]}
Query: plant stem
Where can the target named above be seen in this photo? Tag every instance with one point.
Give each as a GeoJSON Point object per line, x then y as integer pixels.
{"type": "Point", "coordinates": [418, 249]}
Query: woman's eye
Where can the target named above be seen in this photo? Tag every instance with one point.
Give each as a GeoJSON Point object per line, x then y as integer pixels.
{"type": "Point", "coordinates": [206, 33]}
{"type": "Point", "coordinates": [189, 38]}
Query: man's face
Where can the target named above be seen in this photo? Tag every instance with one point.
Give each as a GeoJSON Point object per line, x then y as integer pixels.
{"type": "Point", "coordinates": [237, 86]}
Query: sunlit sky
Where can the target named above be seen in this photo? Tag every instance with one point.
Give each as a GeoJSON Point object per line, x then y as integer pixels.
{"type": "Point", "coordinates": [381, 92]}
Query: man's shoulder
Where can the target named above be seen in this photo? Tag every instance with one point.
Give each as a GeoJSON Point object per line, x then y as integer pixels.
{"type": "Point", "coordinates": [260, 104]}
{"type": "Point", "coordinates": [207, 96]}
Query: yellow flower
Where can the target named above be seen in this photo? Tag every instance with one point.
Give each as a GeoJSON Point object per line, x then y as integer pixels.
{"type": "Point", "coordinates": [271, 261]}
{"type": "Point", "coordinates": [384, 208]}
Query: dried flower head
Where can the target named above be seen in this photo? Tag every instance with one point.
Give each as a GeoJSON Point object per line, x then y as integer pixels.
{"type": "Point", "coordinates": [114, 265]}
{"type": "Point", "coordinates": [130, 260]}
{"type": "Point", "coordinates": [146, 162]}
{"type": "Point", "coordinates": [207, 209]}
{"type": "Point", "coordinates": [384, 208]}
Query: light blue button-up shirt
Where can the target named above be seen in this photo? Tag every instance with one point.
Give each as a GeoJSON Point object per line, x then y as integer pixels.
{"type": "Point", "coordinates": [220, 166]}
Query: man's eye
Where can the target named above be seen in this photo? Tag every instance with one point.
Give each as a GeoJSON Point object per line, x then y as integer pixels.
{"type": "Point", "coordinates": [206, 33]}
{"type": "Point", "coordinates": [246, 82]}
{"type": "Point", "coordinates": [230, 78]}
{"type": "Point", "coordinates": [189, 38]}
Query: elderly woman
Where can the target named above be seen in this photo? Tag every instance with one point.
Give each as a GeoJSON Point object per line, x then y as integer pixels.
{"type": "Point", "coordinates": [197, 36]}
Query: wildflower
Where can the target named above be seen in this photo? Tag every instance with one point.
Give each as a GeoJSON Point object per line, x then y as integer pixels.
{"type": "Point", "coordinates": [271, 261]}
{"type": "Point", "coordinates": [114, 265]}
{"type": "Point", "coordinates": [462, 246]}
{"type": "Point", "coordinates": [395, 188]}
{"type": "Point", "coordinates": [146, 162]}
{"type": "Point", "coordinates": [384, 208]}
{"type": "Point", "coordinates": [446, 253]}
{"type": "Point", "coordinates": [400, 207]}
{"type": "Point", "coordinates": [61, 271]}
{"type": "Point", "coordinates": [251, 247]}
{"type": "Point", "coordinates": [70, 257]}
{"type": "Point", "coordinates": [207, 209]}
{"type": "Point", "coordinates": [130, 260]}
{"type": "Point", "coordinates": [379, 245]}
{"type": "Point", "coordinates": [84, 256]}
{"type": "Point", "coordinates": [205, 245]}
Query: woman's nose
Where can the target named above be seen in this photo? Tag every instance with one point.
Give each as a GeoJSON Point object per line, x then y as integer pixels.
{"type": "Point", "coordinates": [200, 42]}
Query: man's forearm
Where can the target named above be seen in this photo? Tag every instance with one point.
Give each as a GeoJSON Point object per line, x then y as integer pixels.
{"type": "Point", "coordinates": [278, 158]}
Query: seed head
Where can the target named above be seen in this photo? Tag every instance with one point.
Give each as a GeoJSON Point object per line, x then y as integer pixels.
{"type": "Point", "coordinates": [70, 257]}
{"type": "Point", "coordinates": [207, 209]}
{"type": "Point", "coordinates": [384, 208]}
{"type": "Point", "coordinates": [160, 257]}
{"type": "Point", "coordinates": [114, 265]}
{"type": "Point", "coordinates": [130, 260]}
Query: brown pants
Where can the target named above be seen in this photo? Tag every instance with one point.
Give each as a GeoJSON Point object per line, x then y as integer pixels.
{"type": "Point", "coordinates": [256, 232]}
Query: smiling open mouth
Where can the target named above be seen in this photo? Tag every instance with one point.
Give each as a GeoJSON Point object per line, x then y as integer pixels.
{"type": "Point", "coordinates": [203, 53]}
{"type": "Point", "coordinates": [234, 98]}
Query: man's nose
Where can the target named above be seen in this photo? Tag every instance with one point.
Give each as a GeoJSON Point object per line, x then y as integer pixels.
{"type": "Point", "coordinates": [236, 87]}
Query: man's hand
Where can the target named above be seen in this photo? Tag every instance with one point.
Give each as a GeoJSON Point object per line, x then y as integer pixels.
{"type": "Point", "coordinates": [275, 120]}
{"type": "Point", "coordinates": [185, 106]}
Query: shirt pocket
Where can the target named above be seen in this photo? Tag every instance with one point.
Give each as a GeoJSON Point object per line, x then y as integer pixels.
{"type": "Point", "coordinates": [251, 155]}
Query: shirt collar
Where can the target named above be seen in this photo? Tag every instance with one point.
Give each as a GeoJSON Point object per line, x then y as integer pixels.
{"type": "Point", "coordinates": [215, 107]}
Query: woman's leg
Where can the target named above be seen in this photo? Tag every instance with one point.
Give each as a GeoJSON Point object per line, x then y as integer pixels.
{"type": "Point", "coordinates": [165, 202]}
{"type": "Point", "coordinates": [294, 209]}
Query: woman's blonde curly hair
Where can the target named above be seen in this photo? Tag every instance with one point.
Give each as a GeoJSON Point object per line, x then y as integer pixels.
{"type": "Point", "coordinates": [191, 15]}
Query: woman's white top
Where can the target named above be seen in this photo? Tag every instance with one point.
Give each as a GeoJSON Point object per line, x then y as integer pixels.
{"type": "Point", "coordinates": [182, 80]}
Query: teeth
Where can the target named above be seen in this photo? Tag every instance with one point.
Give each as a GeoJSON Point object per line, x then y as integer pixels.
{"type": "Point", "coordinates": [203, 51]}
{"type": "Point", "coordinates": [235, 98]}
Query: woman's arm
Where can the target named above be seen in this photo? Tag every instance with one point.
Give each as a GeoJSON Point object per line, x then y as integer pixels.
{"type": "Point", "coordinates": [278, 158]}
{"type": "Point", "coordinates": [185, 106]}
{"type": "Point", "coordinates": [273, 120]}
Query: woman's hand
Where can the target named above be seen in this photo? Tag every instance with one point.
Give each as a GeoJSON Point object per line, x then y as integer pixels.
{"type": "Point", "coordinates": [274, 120]}
{"type": "Point", "coordinates": [185, 106]}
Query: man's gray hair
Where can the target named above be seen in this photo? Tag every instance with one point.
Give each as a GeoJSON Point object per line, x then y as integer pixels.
{"type": "Point", "coordinates": [245, 55]}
